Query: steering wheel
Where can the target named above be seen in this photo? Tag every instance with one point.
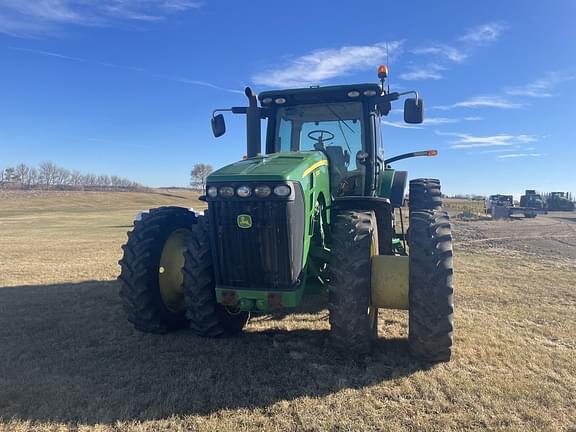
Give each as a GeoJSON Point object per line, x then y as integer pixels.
{"type": "Point", "coordinates": [320, 135]}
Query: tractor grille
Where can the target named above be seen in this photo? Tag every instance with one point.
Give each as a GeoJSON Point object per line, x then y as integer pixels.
{"type": "Point", "coordinates": [266, 256]}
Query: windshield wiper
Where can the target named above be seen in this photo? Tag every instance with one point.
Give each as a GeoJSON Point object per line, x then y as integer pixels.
{"type": "Point", "coordinates": [340, 121]}
{"type": "Point", "coordinates": [344, 135]}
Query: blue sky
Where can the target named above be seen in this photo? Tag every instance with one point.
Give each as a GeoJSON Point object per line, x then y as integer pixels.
{"type": "Point", "coordinates": [127, 87]}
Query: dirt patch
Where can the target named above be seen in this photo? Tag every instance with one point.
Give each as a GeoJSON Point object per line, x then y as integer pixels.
{"type": "Point", "coordinates": [550, 237]}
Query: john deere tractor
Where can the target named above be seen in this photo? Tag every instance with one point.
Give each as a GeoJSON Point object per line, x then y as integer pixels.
{"type": "Point", "coordinates": [312, 212]}
{"type": "Point", "coordinates": [560, 201]}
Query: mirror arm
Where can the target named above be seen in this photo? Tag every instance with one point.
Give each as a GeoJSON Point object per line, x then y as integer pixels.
{"type": "Point", "coordinates": [389, 97]}
{"type": "Point", "coordinates": [414, 92]}
{"type": "Point", "coordinates": [233, 110]}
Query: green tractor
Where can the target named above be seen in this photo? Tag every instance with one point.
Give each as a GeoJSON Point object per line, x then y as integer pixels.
{"type": "Point", "coordinates": [560, 201]}
{"type": "Point", "coordinates": [315, 212]}
{"type": "Point", "coordinates": [532, 200]}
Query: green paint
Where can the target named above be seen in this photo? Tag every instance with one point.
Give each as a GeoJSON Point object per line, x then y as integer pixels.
{"type": "Point", "coordinates": [272, 167]}
{"type": "Point", "coordinates": [254, 300]}
{"type": "Point", "coordinates": [384, 183]}
{"type": "Point", "coordinates": [310, 170]}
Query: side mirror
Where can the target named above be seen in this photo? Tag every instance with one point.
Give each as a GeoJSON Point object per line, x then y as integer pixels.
{"type": "Point", "coordinates": [413, 111]}
{"type": "Point", "coordinates": [218, 125]}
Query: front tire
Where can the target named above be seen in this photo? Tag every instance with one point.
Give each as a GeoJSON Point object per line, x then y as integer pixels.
{"type": "Point", "coordinates": [431, 303]}
{"type": "Point", "coordinates": [150, 270]}
{"type": "Point", "coordinates": [354, 241]}
{"type": "Point", "coordinates": [207, 317]}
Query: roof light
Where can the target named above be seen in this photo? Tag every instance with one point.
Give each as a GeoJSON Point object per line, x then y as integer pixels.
{"type": "Point", "coordinates": [353, 93]}
{"type": "Point", "coordinates": [382, 72]}
{"type": "Point", "coordinates": [267, 100]}
{"type": "Point", "coordinates": [369, 93]}
{"type": "Point", "coordinates": [280, 100]}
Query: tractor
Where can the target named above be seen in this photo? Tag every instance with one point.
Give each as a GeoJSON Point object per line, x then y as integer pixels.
{"type": "Point", "coordinates": [560, 201]}
{"type": "Point", "coordinates": [317, 211]}
{"type": "Point", "coordinates": [532, 200]}
{"type": "Point", "coordinates": [532, 204]}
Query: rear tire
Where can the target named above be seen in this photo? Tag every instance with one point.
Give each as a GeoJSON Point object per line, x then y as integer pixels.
{"type": "Point", "coordinates": [431, 304]}
{"type": "Point", "coordinates": [207, 317]}
{"type": "Point", "coordinates": [140, 270]}
{"type": "Point", "coordinates": [353, 242]}
{"type": "Point", "coordinates": [425, 194]}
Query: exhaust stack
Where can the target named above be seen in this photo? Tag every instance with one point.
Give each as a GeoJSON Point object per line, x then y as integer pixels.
{"type": "Point", "coordinates": [253, 127]}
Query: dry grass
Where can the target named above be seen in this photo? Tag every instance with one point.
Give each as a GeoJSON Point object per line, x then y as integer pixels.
{"type": "Point", "coordinates": [70, 361]}
{"type": "Point", "coordinates": [454, 205]}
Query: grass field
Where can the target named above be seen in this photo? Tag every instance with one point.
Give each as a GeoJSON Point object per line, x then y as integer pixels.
{"type": "Point", "coordinates": [70, 361]}
{"type": "Point", "coordinates": [462, 205]}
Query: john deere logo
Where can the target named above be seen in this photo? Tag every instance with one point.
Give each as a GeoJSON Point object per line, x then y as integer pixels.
{"type": "Point", "coordinates": [244, 221]}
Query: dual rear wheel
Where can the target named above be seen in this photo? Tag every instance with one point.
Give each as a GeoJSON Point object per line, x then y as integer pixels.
{"type": "Point", "coordinates": [354, 233]}
{"type": "Point", "coordinates": [166, 276]}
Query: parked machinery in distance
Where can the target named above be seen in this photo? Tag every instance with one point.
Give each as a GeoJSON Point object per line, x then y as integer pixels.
{"type": "Point", "coordinates": [502, 206]}
{"type": "Point", "coordinates": [532, 203]}
{"type": "Point", "coordinates": [560, 201]}
{"type": "Point", "coordinates": [495, 203]}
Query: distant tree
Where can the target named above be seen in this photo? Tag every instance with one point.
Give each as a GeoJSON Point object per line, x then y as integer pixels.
{"type": "Point", "coordinates": [10, 175]}
{"type": "Point", "coordinates": [32, 178]}
{"type": "Point", "coordinates": [103, 180]}
{"type": "Point", "coordinates": [115, 181]}
{"type": "Point", "coordinates": [47, 172]}
{"type": "Point", "coordinates": [61, 176]}
{"type": "Point", "coordinates": [22, 172]}
{"type": "Point", "coordinates": [90, 180]}
{"type": "Point", "coordinates": [199, 174]}
{"type": "Point", "coordinates": [75, 178]}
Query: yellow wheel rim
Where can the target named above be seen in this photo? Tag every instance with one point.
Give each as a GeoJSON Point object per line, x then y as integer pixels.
{"type": "Point", "coordinates": [170, 270]}
{"type": "Point", "coordinates": [373, 311]}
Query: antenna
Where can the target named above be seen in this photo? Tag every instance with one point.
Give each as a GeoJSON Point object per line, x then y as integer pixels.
{"type": "Point", "coordinates": [387, 65]}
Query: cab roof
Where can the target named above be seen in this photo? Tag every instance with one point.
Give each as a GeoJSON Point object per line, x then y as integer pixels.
{"type": "Point", "coordinates": [317, 94]}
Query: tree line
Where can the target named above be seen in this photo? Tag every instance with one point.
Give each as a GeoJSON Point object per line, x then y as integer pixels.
{"type": "Point", "coordinates": [48, 175]}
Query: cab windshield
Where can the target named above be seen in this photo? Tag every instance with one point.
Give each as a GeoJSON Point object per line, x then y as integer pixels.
{"type": "Point", "coordinates": [337, 129]}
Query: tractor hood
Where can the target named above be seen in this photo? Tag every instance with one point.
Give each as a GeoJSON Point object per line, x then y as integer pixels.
{"type": "Point", "coordinates": [275, 167]}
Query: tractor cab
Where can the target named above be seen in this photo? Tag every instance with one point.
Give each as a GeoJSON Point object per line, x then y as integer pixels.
{"type": "Point", "coordinates": [340, 121]}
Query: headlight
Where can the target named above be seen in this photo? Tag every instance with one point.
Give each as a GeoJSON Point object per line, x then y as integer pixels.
{"type": "Point", "coordinates": [227, 191]}
{"type": "Point", "coordinates": [262, 191]}
{"type": "Point", "coordinates": [282, 190]}
{"type": "Point", "coordinates": [212, 191]}
{"type": "Point", "coordinates": [243, 191]}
